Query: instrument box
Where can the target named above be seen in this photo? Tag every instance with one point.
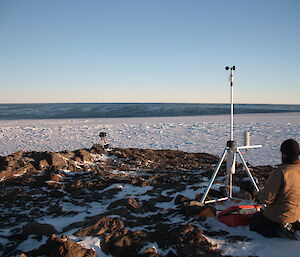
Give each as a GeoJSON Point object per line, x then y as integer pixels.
{"type": "Point", "coordinates": [238, 215]}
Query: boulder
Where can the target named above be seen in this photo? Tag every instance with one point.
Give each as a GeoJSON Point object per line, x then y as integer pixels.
{"type": "Point", "coordinates": [56, 177]}
{"type": "Point", "coordinates": [98, 149]}
{"type": "Point", "coordinates": [17, 170]}
{"type": "Point", "coordinates": [57, 160]}
{"type": "Point", "coordinates": [62, 247]}
{"type": "Point", "coordinates": [181, 199]}
{"type": "Point", "coordinates": [101, 226]}
{"type": "Point", "coordinates": [54, 209]}
{"type": "Point", "coordinates": [84, 155]}
{"type": "Point", "coordinates": [216, 193]}
{"type": "Point", "coordinates": [150, 251]}
{"type": "Point", "coordinates": [36, 212]}
{"type": "Point", "coordinates": [191, 242]}
{"type": "Point", "coordinates": [68, 154]}
{"type": "Point", "coordinates": [77, 159]}
{"type": "Point", "coordinates": [41, 159]}
{"type": "Point", "coordinates": [130, 203]}
{"type": "Point", "coordinates": [124, 243]}
{"type": "Point", "coordinates": [43, 164]}
{"type": "Point", "coordinates": [199, 209]}
{"type": "Point", "coordinates": [35, 228]}
{"type": "Point", "coordinates": [10, 161]}
{"type": "Point", "coordinates": [194, 203]}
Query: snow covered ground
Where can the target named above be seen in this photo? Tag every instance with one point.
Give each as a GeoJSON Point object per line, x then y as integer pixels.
{"type": "Point", "coordinates": [250, 244]}
{"type": "Point", "coordinates": [192, 134]}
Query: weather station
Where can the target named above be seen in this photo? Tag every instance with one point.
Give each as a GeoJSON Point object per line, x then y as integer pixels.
{"type": "Point", "coordinates": [231, 152]}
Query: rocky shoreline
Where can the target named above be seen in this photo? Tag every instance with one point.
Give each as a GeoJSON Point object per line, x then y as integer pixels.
{"type": "Point", "coordinates": [135, 202]}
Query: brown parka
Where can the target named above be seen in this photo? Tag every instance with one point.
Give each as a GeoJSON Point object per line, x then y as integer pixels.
{"type": "Point", "coordinates": [281, 193]}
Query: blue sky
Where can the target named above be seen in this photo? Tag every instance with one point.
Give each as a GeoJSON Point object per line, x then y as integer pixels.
{"type": "Point", "coordinates": [149, 51]}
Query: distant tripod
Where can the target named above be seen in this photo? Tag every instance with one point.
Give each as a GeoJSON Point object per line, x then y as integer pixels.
{"type": "Point", "coordinates": [102, 140]}
{"type": "Point", "coordinates": [231, 150]}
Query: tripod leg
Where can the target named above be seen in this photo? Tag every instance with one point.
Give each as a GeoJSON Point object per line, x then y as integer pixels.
{"type": "Point", "coordinates": [248, 171]}
{"type": "Point", "coordinates": [213, 176]}
{"type": "Point", "coordinates": [228, 185]}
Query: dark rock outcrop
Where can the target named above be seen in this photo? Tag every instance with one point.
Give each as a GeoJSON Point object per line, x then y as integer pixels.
{"type": "Point", "coordinates": [62, 247]}
{"type": "Point", "coordinates": [35, 228]}
{"type": "Point", "coordinates": [96, 184]}
{"type": "Point", "coordinates": [101, 226]}
{"type": "Point", "coordinates": [130, 203]}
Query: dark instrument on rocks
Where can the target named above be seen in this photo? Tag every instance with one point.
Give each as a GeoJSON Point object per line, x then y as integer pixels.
{"type": "Point", "coordinates": [102, 140]}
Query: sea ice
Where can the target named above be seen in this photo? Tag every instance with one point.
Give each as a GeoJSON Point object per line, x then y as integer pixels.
{"type": "Point", "coordinates": [192, 134]}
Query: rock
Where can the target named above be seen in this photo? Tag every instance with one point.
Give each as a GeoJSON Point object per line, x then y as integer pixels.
{"type": "Point", "coordinates": [188, 240]}
{"type": "Point", "coordinates": [109, 194]}
{"type": "Point", "coordinates": [35, 228]}
{"type": "Point", "coordinates": [19, 154]}
{"type": "Point", "coordinates": [14, 159]}
{"type": "Point", "coordinates": [127, 216]}
{"type": "Point", "coordinates": [38, 157]}
{"type": "Point", "coordinates": [10, 161]}
{"type": "Point", "coordinates": [84, 155]}
{"type": "Point", "coordinates": [54, 184]}
{"type": "Point", "coordinates": [163, 198]}
{"type": "Point", "coordinates": [130, 203]}
{"type": "Point", "coordinates": [77, 159]}
{"type": "Point", "coordinates": [164, 159]}
{"type": "Point", "coordinates": [181, 199]}
{"type": "Point", "coordinates": [2, 163]}
{"type": "Point", "coordinates": [57, 160]}
{"type": "Point", "coordinates": [56, 177]}
{"type": "Point", "coordinates": [68, 154]}
{"type": "Point", "coordinates": [5, 174]}
{"type": "Point", "coordinates": [207, 211]}
{"type": "Point", "coordinates": [198, 197]}
{"type": "Point", "coordinates": [192, 210]}
{"type": "Point", "coordinates": [191, 242]}
{"type": "Point", "coordinates": [216, 193]}
{"type": "Point", "coordinates": [152, 249]}
{"type": "Point", "coordinates": [54, 209]}
{"type": "Point", "coordinates": [98, 149]}
{"type": "Point", "coordinates": [43, 164]}
{"type": "Point", "coordinates": [244, 195]}
{"type": "Point", "coordinates": [167, 172]}
{"type": "Point", "coordinates": [27, 168]}
{"type": "Point", "coordinates": [199, 209]}
{"type": "Point", "coordinates": [62, 247]}
{"type": "Point", "coordinates": [195, 203]}
{"type": "Point", "coordinates": [14, 165]}
{"type": "Point", "coordinates": [35, 212]}
{"type": "Point", "coordinates": [101, 226]}
{"type": "Point", "coordinates": [124, 243]}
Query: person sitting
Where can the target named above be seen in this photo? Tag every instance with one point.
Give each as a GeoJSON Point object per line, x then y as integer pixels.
{"type": "Point", "coordinates": [281, 194]}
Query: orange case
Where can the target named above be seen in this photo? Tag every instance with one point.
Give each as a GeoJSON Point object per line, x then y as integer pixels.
{"type": "Point", "coordinates": [238, 215]}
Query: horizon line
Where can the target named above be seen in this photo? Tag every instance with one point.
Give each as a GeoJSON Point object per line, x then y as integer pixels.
{"type": "Point", "coordinates": [143, 103]}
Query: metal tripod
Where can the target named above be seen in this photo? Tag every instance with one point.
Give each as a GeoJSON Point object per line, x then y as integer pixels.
{"type": "Point", "coordinates": [231, 151]}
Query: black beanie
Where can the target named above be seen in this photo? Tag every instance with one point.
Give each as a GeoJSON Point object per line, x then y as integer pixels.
{"type": "Point", "coordinates": [290, 148]}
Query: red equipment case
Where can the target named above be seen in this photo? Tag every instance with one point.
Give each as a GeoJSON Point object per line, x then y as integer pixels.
{"type": "Point", "coordinates": [238, 215]}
